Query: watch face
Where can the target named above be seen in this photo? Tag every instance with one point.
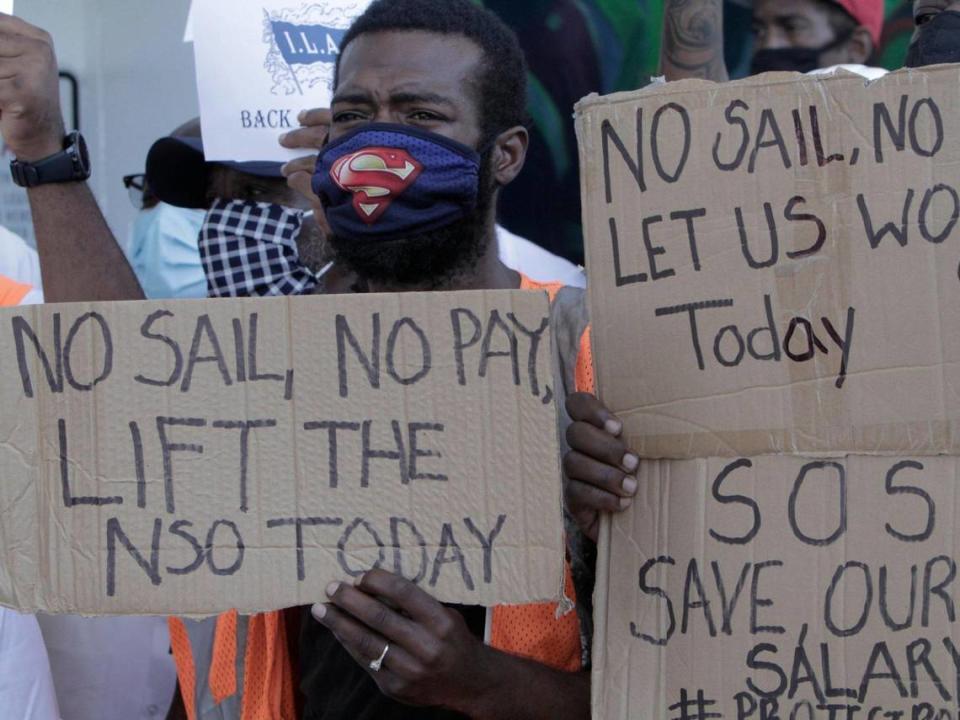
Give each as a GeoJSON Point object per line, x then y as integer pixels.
{"type": "Point", "coordinates": [75, 139]}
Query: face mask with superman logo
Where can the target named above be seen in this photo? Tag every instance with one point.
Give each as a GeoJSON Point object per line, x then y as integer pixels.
{"type": "Point", "coordinates": [385, 181]}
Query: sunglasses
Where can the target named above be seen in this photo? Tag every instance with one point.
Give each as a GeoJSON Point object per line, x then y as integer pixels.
{"type": "Point", "coordinates": [137, 189]}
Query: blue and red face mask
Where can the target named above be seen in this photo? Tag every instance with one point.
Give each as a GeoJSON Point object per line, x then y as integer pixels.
{"type": "Point", "coordinates": [385, 181]}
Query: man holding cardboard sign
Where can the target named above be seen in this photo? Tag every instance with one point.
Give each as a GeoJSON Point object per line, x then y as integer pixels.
{"type": "Point", "coordinates": [423, 80]}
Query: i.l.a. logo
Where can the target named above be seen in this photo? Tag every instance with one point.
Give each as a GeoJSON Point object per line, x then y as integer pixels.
{"type": "Point", "coordinates": [305, 43]}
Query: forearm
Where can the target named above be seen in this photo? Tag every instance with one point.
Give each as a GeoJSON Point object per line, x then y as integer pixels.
{"type": "Point", "coordinates": [80, 261]}
{"type": "Point", "coordinates": [692, 44]}
{"type": "Point", "coordinates": [518, 689]}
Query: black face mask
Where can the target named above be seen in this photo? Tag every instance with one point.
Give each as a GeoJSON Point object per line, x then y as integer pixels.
{"type": "Point", "coordinates": [801, 60]}
{"type": "Point", "coordinates": [938, 41]}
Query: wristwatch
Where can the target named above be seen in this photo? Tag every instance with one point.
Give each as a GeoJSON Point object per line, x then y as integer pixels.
{"type": "Point", "coordinates": [72, 164]}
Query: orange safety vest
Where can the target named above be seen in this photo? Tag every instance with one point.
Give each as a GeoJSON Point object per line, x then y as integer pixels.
{"type": "Point", "coordinates": [544, 632]}
{"type": "Point", "coordinates": [239, 667]}
{"type": "Point", "coordinates": [234, 667]}
{"type": "Point", "coordinates": [12, 292]}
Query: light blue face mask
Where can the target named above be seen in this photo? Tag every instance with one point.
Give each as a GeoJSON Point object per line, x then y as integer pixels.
{"type": "Point", "coordinates": [164, 254]}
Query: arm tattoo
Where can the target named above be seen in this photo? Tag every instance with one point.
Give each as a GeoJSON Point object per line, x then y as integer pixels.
{"type": "Point", "coordinates": [693, 39]}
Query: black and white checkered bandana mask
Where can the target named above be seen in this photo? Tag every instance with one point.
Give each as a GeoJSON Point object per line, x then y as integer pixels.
{"type": "Point", "coordinates": [249, 249]}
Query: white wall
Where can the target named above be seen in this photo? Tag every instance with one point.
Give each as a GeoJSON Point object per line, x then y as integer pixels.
{"type": "Point", "coordinates": [136, 82]}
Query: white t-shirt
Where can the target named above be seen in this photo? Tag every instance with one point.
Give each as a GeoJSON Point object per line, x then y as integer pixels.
{"type": "Point", "coordinates": [110, 668]}
{"type": "Point", "coordinates": [536, 263]}
{"type": "Point", "coordinates": [18, 261]}
{"type": "Point", "coordinates": [26, 687]}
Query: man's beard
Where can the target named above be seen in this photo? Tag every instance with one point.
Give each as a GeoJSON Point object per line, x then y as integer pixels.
{"type": "Point", "coordinates": [312, 246]}
{"type": "Point", "coordinates": [427, 260]}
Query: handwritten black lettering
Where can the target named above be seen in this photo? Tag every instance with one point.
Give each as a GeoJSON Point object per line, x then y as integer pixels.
{"type": "Point", "coordinates": [370, 361]}
{"type": "Point", "coordinates": [495, 324]}
{"type": "Point", "coordinates": [244, 426]}
{"type": "Point", "coordinates": [298, 524]}
{"type": "Point", "coordinates": [205, 329]}
{"type": "Point", "coordinates": [343, 554]}
{"type": "Point", "coordinates": [167, 449]}
{"type": "Point", "coordinates": [659, 592]}
{"type": "Point", "coordinates": [69, 500]}
{"type": "Point", "coordinates": [332, 428]}
{"type": "Point", "coordinates": [420, 369]}
{"type": "Point", "coordinates": [736, 500]}
{"type": "Point", "coordinates": [459, 345]}
{"type": "Point", "coordinates": [449, 552]}
{"type": "Point", "coordinates": [146, 332]}
{"type": "Point", "coordinates": [151, 567]}
{"type": "Point", "coordinates": [792, 515]}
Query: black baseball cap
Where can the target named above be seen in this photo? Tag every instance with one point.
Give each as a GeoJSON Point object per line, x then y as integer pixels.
{"type": "Point", "coordinates": [177, 171]}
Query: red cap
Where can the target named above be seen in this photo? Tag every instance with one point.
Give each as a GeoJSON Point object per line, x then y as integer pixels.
{"type": "Point", "coordinates": [868, 13]}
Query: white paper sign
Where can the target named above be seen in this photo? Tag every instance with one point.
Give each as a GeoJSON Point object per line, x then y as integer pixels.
{"type": "Point", "coordinates": [188, 30]}
{"type": "Point", "coordinates": [259, 63]}
{"type": "Point", "coordinates": [6, 6]}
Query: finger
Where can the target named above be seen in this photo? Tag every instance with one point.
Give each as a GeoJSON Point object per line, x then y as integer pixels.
{"type": "Point", "coordinates": [15, 45]}
{"type": "Point", "coordinates": [314, 137]}
{"type": "Point", "coordinates": [600, 445]}
{"type": "Point", "coordinates": [585, 469]}
{"type": "Point", "coordinates": [585, 407]}
{"type": "Point", "coordinates": [582, 496]}
{"type": "Point", "coordinates": [588, 521]}
{"type": "Point", "coordinates": [305, 164]}
{"type": "Point", "coordinates": [18, 26]}
{"type": "Point", "coordinates": [315, 116]}
{"type": "Point", "coordinates": [363, 645]}
{"type": "Point", "coordinates": [377, 616]}
{"type": "Point", "coordinates": [403, 594]}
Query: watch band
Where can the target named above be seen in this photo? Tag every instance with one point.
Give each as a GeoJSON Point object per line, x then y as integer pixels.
{"type": "Point", "coordinates": [69, 165]}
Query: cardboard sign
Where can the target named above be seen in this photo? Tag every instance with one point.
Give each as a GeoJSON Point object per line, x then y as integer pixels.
{"type": "Point", "coordinates": [775, 294]}
{"type": "Point", "coordinates": [189, 457]}
{"type": "Point", "coordinates": [782, 254]}
{"type": "Point", "coordinates": [779, 587]}
{"type": "Point", "coordinates": [259, 64]}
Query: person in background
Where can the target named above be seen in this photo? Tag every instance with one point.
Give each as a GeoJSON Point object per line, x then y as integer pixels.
{"type": "Point", "coordinates": [789, 35]}
{"type": "Point", "coordinates": [19, 272]}
{"type": "Point", "coordinates": [936, 39]}
{"type": "Point", "coordinates": [26, 685]}
{"type": "Point", "coordinates": [162, 248]}
{"type": "Point", "coordinates": [110, 668]}
{"type": "Point", "coordinates": [172, 159]}
{"type": "Point", "coordinates": [231, 200]}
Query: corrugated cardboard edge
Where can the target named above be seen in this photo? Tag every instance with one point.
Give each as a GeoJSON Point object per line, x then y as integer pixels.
{"type": "Point", "coordinates": [772, 79]}
{"type": "Point", "coordinates": [600, 619]}
{"type": "Point", "coordinates": [930, 438]}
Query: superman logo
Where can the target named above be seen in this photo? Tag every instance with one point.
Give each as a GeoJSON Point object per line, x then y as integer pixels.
{"type": "Point", "coordinates": [376, 177]}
